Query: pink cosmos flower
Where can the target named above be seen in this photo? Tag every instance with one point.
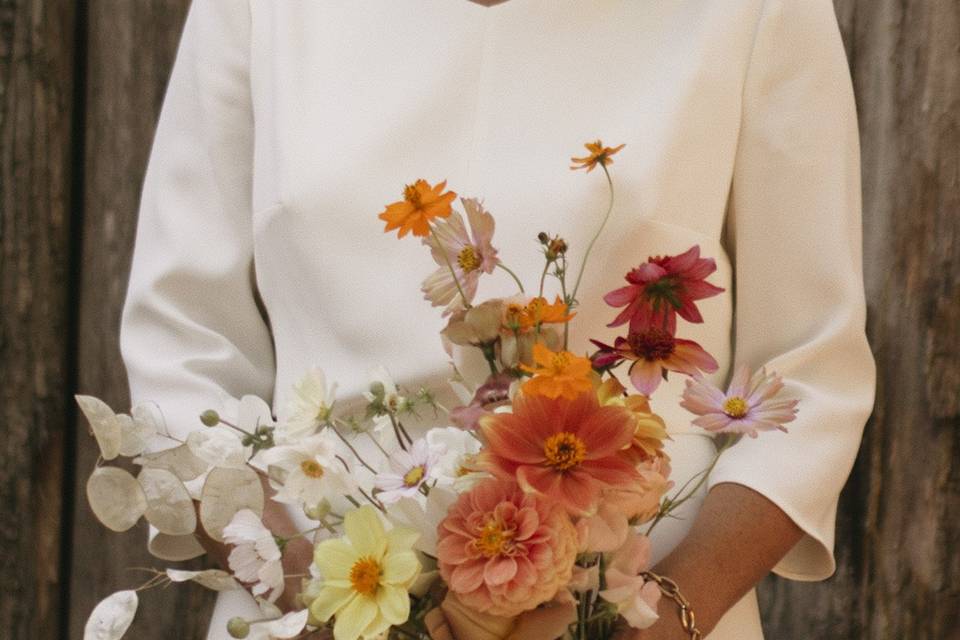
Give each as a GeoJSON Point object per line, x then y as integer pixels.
{"type": "Point", "coordinates": [636, 598]}
{"type": "Point", "coordinates": [565, 450]}
{"type": "Point", "coordinates": [470, 254]}
{"type": "Point", "coordinates": [503, 551]}
{"type": "Point", "coordinates": [654, 351]}
{"type": "Point", "coordinates": [746, 407]}
{"type": "Point", "coordinates": [662, 287]}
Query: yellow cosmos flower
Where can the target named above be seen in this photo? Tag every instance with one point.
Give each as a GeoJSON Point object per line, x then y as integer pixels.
{"type": "Point", "coordinates": [421, 203]}
{"type": "Point", "coordinates": [366, 576]}
{"type": "Point", "coordinates": [557, 374]}
{"type": "Point", "coordinates": [598, 154]}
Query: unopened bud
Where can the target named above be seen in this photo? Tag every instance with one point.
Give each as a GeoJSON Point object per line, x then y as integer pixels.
{"type": "Point", "coordinates": [238, 627]}
{"type": "Point", "coordinates": [318, 511]}
{"type": "Point", "coordinates": [376, 388]}
{"type": "Point", "coordinates": [558, 246]}
{"type": "Point", "coordinates": [210, 418]}
{"type": "Point", "coordinates": [543, 238]}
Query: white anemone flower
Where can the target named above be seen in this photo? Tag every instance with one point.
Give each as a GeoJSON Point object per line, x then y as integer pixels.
{"type": "Point", "coordinates": [308, 407]}
{"type": "Point", "coordinates": [255, 558]}
{"type": "Point", "coordinates": [406, 471]}
{"type": "Point", "coordinates": [309, 471]}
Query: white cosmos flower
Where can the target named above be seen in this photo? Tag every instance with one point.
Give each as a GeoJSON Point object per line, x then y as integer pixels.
{"type": "Point", "coordinates": [309, 471]}
{"type": "Point", "coordinates": [256, 556]}
{"type": "Point", "coordinates": [456, 467]}
{"type": "Point", "coordinates": [423, 514]}
{"type": "Point", "coordinates": [405, 471]}
{"type": "Point", "coordinates": [308, 407]}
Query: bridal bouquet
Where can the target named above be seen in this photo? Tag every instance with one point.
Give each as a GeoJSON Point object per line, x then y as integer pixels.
{"type": "Point", "coordinates": [527, 516]}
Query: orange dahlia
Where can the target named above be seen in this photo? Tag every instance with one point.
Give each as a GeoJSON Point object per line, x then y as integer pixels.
{"type": "Point", "coordinates": [421, 203]}
{"type": "Point", "coordinates": [566, 450]}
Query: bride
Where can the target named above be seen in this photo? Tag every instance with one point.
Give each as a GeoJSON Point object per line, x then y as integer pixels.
{"type": "Point", "coordinates": [286, 124]}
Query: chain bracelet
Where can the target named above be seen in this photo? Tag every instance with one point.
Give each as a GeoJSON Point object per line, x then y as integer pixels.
{"type": "Point", "coordinates": [670, 589]}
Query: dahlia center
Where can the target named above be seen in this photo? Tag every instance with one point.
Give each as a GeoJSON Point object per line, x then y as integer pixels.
{"type": "Point", "coordinates": [735, 407]}
{"type": "Point", "coordinates": [493, 540]}
{"type": "Point", "coordinates": [311, 469]}
{"type": "Point", "coordinates": [564, 450]}
{"type": "Point", "coordinates": [653, 344]}
{"type": "Point", "coordinates": [413, 477]}
{"type": "Point", "coordinates": [468, 259]}
{"type": "Point", "coordinates": [365, 575]}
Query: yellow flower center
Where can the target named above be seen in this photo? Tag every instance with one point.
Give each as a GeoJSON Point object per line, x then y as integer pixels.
{"type": "Point", "coordinates": [735, 407]}
{"type": "Point", "coordinates": [493, 539]}
{"type": "Point", "coordinates": [413, 477]}
{"type": "Point", "coordinates": [412, 195]}
{"type": "Point", "coordinates": [311, 469]}
{"type": "Point", "coordinates": [365, 576]}
{"type": "Point", "coordinates": [559, 363]}
{"type": "Point", "coordinates": [323, 412]}
{"type": "Point", "coordinates": [468, 259]}
{"type": "Point", "coordinates": [564, 450]}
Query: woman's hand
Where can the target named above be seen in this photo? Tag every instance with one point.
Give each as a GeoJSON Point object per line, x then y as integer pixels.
{"type": "Point", "coordinates": [297, 555]}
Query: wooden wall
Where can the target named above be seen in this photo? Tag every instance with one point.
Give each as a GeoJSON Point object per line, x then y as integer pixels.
{"type": "Point", "coordinates": [81, 84]}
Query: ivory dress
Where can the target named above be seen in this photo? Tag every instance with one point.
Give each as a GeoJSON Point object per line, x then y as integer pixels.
{"type": "Point", "coordinates": [287, 126]}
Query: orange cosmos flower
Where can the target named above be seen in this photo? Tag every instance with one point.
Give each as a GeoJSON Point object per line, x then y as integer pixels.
{"type": "Point", "coordinates": [524, 317]}
{"type": "Point", "coordinates": [568, 451]}
{"type": "Point", "coordinates": [421, 203]}
{"type": "Point", "coordinates": [557, 374]}
{"type": "Point", "coordinates": [598, 154]}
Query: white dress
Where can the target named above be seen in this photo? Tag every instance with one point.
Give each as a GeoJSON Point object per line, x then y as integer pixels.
{"type": "Point", "coordinates": [287, 126]}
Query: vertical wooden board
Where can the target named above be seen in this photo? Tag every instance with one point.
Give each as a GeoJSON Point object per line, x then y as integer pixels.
{"type": "Point", "coordinates": [131, 49]}
{"type": "Point", "coordinates": [36, 137]}
{"type": "Point", "coordinates": [898, 534]}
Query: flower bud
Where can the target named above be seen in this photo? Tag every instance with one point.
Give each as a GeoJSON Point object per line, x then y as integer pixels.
{"type": "Point", "coordinates": [238, 627]}
{"type": "Point", "coordinates": [210, 418]}
{"type": "Point", "coordinates": [543, 238]}
{"type": "Point", "coordinates": [318, 511]}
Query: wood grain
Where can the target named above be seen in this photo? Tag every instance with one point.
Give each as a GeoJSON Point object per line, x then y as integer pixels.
{"type": "Point", "coordinates": [131, 47]}
{"type": "Point", "coordinates": [36, 136]}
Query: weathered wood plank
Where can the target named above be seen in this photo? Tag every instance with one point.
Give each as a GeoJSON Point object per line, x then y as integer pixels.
{"type": "Point", "coordinates": [36, 137]}
{"type": "Point", "coordinates": [131, 49]}
{"type": "Point", "coordinates": [898, 533]}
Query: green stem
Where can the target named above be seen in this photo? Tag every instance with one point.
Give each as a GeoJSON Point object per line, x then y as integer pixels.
{"type": "Point", "coordinates": [606, 217]}
{"type": "Point", "coordinates": [677, 500]}
{"type": "Point", "coordinates": [543, 276]}
{"type": "Point", "coordinates": [515, 278]}
{"type": "Point", "coordinates": [446, 258]}
{"type": "Point", "coordinates": [352, 450]}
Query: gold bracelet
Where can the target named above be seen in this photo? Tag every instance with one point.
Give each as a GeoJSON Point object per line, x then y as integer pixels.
{"type": "Point", "coordinates": [670, 589]}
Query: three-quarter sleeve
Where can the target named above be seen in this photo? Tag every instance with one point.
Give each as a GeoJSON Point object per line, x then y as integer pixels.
{"type": "Point", "coordinates": [794, 235]}
{"type": "Point", "coordinates": [191, 331]}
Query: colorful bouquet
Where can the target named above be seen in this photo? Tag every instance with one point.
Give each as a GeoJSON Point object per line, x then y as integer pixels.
{"type": "Point", "coordinates": [527, 517]}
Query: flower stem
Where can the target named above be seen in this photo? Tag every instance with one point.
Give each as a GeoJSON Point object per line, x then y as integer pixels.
{"type": "Point", "coordinates": [352, 450]}
{"type": "Point", "coordinates": [543, 276]}
{"type": "Point", "coordinates": [606, 217]}
{"type": "Point", "coordinates": [515, 278]}
{"type": "Point", "coordinates": [677, 500]}
{"type": "Point", "coordinates": [446, 258]}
